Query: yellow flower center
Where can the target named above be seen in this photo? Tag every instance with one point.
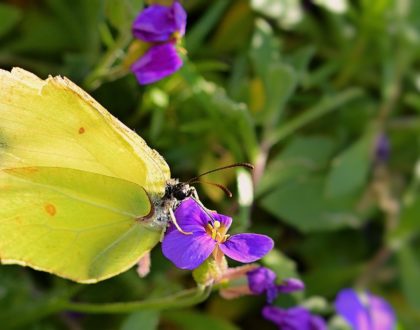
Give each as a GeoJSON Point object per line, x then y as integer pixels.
{"type": "Point", "coordinates": [217, 231]}
{"type": "Point", "coordinates": [176, 36]}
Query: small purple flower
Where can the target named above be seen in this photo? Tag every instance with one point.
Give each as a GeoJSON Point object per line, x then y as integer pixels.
{"type": "Point", "coordinates": [159, 23]}
{"type": "Point", "coordinates": [162, 26]}
{"type": "Point", "coordinates": [263, 280]}
{"type": "Point", "coordinates": [158, 62]}
{"type": "Point", "coordinates": [209, 235]}
{"type": "Point", "coordinates": [296, 318]}
{"type": "Point", "coordinates": [382, 149]}
{"type": "Point", "coordinates": [365, 311]}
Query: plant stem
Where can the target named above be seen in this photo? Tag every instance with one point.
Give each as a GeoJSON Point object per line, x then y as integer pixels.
{"type": "Point", "coordinates": [55, 305]}
{"type": "Point", "coordinates": [181, 299]}
{"type": "Point", "coordinates": [102, 70]}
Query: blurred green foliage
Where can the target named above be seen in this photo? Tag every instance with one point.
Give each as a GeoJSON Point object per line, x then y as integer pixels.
{"type": "Point", "coordinates": [301, 89]}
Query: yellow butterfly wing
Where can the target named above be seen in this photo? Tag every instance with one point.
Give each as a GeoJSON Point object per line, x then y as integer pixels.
{"type": "Point", "coordinates": [53, 122]}
{"type": "Point", "coordinates": [79, 225]}
{"type": "Point", "coordinates": [74, 182]}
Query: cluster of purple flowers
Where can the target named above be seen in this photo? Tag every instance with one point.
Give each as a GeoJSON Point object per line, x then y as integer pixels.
{"type": "Point", "coordinates": [207, 237]}
{"type": "Point", "coordinates": [263, 280]}
{"type": "Point", "coordinates": [162, 27]}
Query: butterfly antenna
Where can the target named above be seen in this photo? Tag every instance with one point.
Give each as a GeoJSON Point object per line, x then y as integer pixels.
{"type": "Point", "coordinates": [220, 186]}
{"type": "Point", "coordinates": [206, 211]}
{"type": "Point", "coordinates": [246, 165]}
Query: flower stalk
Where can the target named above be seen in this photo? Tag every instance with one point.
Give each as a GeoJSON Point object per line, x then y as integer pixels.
{"type": "Point", "coordinates": [182, 299]}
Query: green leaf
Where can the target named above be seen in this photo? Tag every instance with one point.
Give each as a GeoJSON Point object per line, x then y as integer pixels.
{"type": "Point", "coordinates": [350, 169]}
{"type": "Point", "coordinates": [144, 320]}
{"type": "Point", "coordinates": [9, 17]}
{"type": "Point", "coordinates": [327, 104]}
{"type": "Point", "coordinates": [302, 203]}
{"type": "Point", "coordinates": [302, 155]}
{"type": "Point", "coordinates": [228, 118]}
{"type": "Point", "coordinates": [409, 225]}
{"type": "Point", "coordinates": [265, 47]}
{"type": "Point", "coordinates": [410, 274]}
{"type": "Point", "coordinates": [279, 79]}
{"type": "Point", "coordinates": [312, 151]}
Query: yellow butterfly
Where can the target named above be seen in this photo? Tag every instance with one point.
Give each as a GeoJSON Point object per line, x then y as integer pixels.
{"type": "Point", "coordinates": [81, 195]}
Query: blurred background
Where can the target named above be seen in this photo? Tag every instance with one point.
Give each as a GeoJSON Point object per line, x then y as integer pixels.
{"type": "Point", "coordinates": [322, 96]}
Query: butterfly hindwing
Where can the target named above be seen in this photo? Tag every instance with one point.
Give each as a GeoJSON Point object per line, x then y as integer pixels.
{"type": "Point", "coordinates": [79, 225]}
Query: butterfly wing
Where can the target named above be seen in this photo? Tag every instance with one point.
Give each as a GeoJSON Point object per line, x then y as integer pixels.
{"type": "Point", "coordinates": [73, 181]}
{"type": "Point", "coordinates": [78, 225]}
{"type": "Point", "coordinates": [54, 123]}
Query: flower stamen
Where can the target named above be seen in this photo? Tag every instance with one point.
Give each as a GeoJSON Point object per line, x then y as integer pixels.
{"type": "Point", "coordinates": [217, 231]}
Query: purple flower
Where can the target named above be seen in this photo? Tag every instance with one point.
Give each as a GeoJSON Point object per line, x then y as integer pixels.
{"type": "Point", "coordinates": [296, 318]}
{"type": "Point", "coordinates": [263, 280]}
{"type": "Point", "coordinates": [158, 62]}
{"type": "Point", "coordinates": [159, 23]}
{"type": "Point", "coordinates": [365, 311]}
{"type": "Point", "coordinates": [382, 149]}
{"type": "Point", "coordinates": [209, 235]}
{"type": "Point", "coordinates": [163, 27]}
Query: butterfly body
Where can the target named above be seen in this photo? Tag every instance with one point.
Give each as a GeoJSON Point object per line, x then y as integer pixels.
{"type": "Point", "coordinates": [175, 193]}
{"type": "Point", "coordinates": [81, 195]}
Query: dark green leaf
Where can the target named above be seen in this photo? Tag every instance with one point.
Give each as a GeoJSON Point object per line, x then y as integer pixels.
{"type": "Point", "coordinates": [350, 169]}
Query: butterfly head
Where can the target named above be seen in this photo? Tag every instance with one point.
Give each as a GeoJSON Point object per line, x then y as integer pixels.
{"type": "Point", "coordinates": [178, 191]}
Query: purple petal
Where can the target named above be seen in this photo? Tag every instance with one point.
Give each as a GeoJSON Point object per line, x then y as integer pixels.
{"type": "Point", "coordinates": [158, 62]}
{"type": "Point", "coordinates": [261, 279]}
{"type": "Point", "coordinates": [349, 306]}
{"type": "Point", "coordinates": [180, 18]}
{"type": "Point", "coordinates": [158, 23]}
{"type": "Point", "coordinates": [381, 313]}
{"type": "Point", "coordinates": [291, 285]}
{"type": "Point", "coordinates": [190, 214]}
{"type": "Point", "coordinates": [187, 251]}
{"type": "Point", "coordinates": [296, 318]}
{"type": "Point", "coordinates": [247, 247]}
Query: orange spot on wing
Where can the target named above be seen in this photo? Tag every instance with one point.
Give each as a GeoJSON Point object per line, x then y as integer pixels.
{"type": "Point", "coordinates": [81, 130]}
{"type": "Point", "coordinates": [50, 209]}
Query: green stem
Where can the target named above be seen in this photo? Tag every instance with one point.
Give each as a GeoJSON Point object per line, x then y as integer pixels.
{"type": "Point", "coordinates": [325, 106]}
{"type": "Point", "coordinates": [181, 299]}
{"type": "Point", "coordinates": [55, 305]}
{"type": "Point", "coordinates": [102, 70]}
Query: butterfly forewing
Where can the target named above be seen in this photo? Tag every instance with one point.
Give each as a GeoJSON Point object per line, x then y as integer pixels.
{"type": "Point", "coordinates": [55, 123]}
